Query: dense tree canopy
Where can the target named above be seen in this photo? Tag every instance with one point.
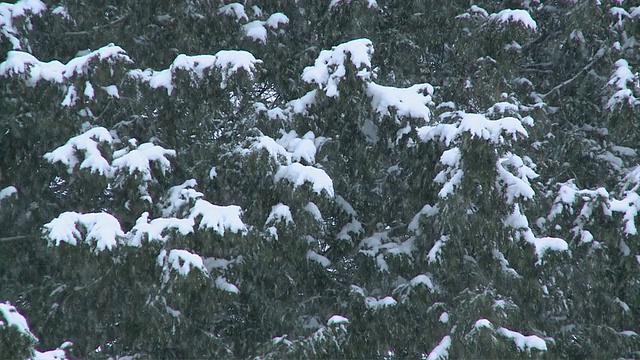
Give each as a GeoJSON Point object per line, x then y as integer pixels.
{"type": "Point", "coordinates": [319, 179]}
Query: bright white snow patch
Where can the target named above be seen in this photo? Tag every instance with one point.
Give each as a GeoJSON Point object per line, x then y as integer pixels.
{"type": "Point", "coordinates": [451, 176]}
{"type": "Point", "coordinates": [56, 354]}
{"type": "Point", "coordinates": [518, 16]}
{"type": "Point", "coordinates": [336, 320]}
{"type": "Point", "coordinates": [426, 210]}
{"type": "Point", "coordinates": [33, 70]}
{"type": "Point", "coordinates": [218, 218]}
{"type": "Point", "coordinates": [139, 160]}
{"type": "Point", "coordinates": [12, 318]}
{"type": "Point", "coordinates": [234, 10]}
{"type": "Point", "coordinates": [181, 261]}
{"type": "Point", "coordinates": [178, 197]}
{"type": "Point", "coordinates": [432, 257]}
{"type": "Point", "coordinates": [300, 148]}
{"type": "Point", "coordinates": [517, 186]}
{"type": "Point", "coordinates": [256, 31]}
{"type": "Point", "coordinates": [298, 174]}
{"type": "Point", "coordinates": [441, 351]}
{"type": "Point", "coordinates": [544, 244]}
{"type": "Point", "coordinates": [483, 323]}
{"type": "Point", "coordinates": [377, 304]}
{"type": "Point", "coordinates": [228, 62]}
{"type": "Point", "coordinates": [112, 91]}
{"type": "Point", "coordinates": [224, 285]}
{"type": "Point", "coordinates": [405, 102]}
{"type": "Point", "coordinates": [314, 256]}
{"type": "Point", "coordinates": [523, 342]}
{"type": "Point", "coordinates": [299, 106]}
{"type": "Point", "coordinates": [519, 221]}
{"type": "Point", "coordinates": [422, 279]}
{"type": "Point", "coordinates": [87, 145]}
{"type": "Point", "coordinates": [9, 12]}
{"type": "Point", "coordinates": [622, 78]}
{"type": "Point", "coordinates": [277, 19]}
{"type": "Point", "coordinates": [444, 317]}
{"type": "Point", "coordinates": [101, 228]}
{"type": "Point", "coordinates": [153, 231]}
{"type": "Point", "coordinates": [478, 125]}
{"type": "Point", "coordinates": [354, 227]}
{"type": "Point", "coordinates": [8, 191]}
{"type": "Point", "coordinates": [280, 212]}
{"type": "Point", "coordinates": [329, 68]}
{"type": "Point", "coordinates": [312, 209]}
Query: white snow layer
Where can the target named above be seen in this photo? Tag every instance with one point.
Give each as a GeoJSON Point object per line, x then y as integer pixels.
{"type": "Point", "coordinates": [432, 256]}
{"type": "Point", "coordinates": [12, 318]}
{"type": "Point", "coordinates": [380, 244]}
{"type": "Point", "coordinates": [131, 161]}
{"type": "Point", "coordinates": [477, 125]}
{"type": "Point", "coordinates": [153, 230]}
{"type": "Point", "coordinates": [622, 78]}
{"type": "Point", "coordinates": [218, 218]}
{"type": "Point", "coordinates": [517, 16]}
{"type": "Point", "coordinates": [280, 212]}
{"type": "Point", "coordinates": [101, 228]}
{"type": "Point", "coordinates": [56, 354]}
{"type": "Point", "coordinates": [426, 210]}
{"type": "Point", "coordinates": [181, 261]}
{"type": "Point", "coordinates": [139, 160]}
{"type": "Point", "coordinates": [451, 176]}
{"type": "Point", "coordinates": [33, 70]}
{"type": "Point", "coordinates": [329, 68]}
{"type": "Point", "coordinates": [314, 256]}
{"type": "Point", "coordinates": [336, 320]}
{"type": "Point", "coordinates": [422, 279]}
{"type": "Point", "coordinates": [234, 10]}
{"type": "Point", "coordinates": [105, 231]}
{"type": "Point", "coordinates": [517, 186]}
{"type": "Point", "coordinates": [224, 285]}
{"type": "Point", "coordinates": [7, 192]}
{"type": "Point", "coordinates": [179, 196]}
{"type": "Point", "coordinates": [87, 145]}
{"type": "Point", "coordinates": [313, 209]}
{"type": "Point", "coordinates": [298, 174]}
{"type": "Point", "coordinates": [289, 147]}
{"type": "Point", "coordinates": [377, 304]}
{"type": "Point", "coordinates": [483, 323]}
{"type": "Point", "coordinates": [519, 221]}
{"type": "Point", "coordinates": [257, 29]}
{"type": "Point", "coordinates": [441, 351]}
{"type": "Point", "coordinates": [523, 342]}
{"type": "Point", "coordinates": [405, 102]}
{"type": "Point", "coordinates": [227, 62]}
{"type": "Point", "coordinates": [8, 12]}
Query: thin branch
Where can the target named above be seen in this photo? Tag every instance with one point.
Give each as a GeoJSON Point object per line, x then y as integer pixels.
{"type": "Point", "coordinates": [599, 54]}
{"type": "Point", "coordinates": [95, 28]}
{"type": "Point", "coordinates": [19, 237]}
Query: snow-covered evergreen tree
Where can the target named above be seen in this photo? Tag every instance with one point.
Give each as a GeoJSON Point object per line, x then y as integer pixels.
{"type": "Point", "coordinates": [325, 179]}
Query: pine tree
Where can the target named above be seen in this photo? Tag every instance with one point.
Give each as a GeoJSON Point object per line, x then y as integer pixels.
{"type": "Point", "coordinates": [327, 179]}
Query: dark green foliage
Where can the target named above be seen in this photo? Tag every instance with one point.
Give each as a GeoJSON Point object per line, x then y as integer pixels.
{"type": "Point", "coordinates": [423, 251]}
